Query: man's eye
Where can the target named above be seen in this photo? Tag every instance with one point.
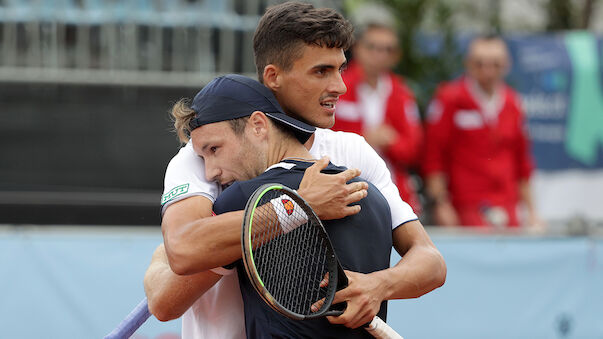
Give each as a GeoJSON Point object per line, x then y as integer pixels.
{"type": "Point", "coordinates": [213, 149]}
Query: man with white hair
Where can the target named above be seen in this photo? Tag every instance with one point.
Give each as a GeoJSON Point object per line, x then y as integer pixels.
{"type": "Point", "coordinates": [478, 161]}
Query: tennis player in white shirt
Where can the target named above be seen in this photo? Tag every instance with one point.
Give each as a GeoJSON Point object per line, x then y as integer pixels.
{"type": "Point", "coordinates": [302, 68]}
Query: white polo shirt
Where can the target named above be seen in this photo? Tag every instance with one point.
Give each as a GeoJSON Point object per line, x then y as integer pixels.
{"type": "Point", "coordinates": [219, 312]}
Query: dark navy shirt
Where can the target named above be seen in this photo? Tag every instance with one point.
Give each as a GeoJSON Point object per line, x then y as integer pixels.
{"type": "Point", "coordinates": [362, 243]}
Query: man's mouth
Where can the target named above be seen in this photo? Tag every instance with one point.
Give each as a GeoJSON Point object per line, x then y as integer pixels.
{"type": "Point", "coordinates": [329, 105]}
{"type": "Point", "coordinates": [329, 102]}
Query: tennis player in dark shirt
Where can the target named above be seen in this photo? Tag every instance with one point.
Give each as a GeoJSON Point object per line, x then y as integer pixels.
{"type": "Point", "coordinates": [244, 135]}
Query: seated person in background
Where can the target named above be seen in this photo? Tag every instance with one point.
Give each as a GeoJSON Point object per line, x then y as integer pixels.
{"type": "Point", "coordinates": [378, 105]}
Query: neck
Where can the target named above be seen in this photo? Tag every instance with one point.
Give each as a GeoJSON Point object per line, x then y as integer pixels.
{"type": "Point", "coordinates": [488, 90]}
{"type": "Point", "coordinates": [287, 148]}
{"type": "Point", "coordinates": [371, 80]}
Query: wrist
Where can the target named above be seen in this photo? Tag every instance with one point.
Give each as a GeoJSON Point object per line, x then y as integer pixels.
{"type": "Point", "coordinates": [383, 285]}
{"type": "Point", "coordinates": [440, 199]}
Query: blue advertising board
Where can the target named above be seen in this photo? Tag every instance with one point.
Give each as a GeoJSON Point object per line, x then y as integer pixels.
{"type": "Point", "coordinates": [81, 282]}
{"type": "Point", "coordinates": [560, 79]}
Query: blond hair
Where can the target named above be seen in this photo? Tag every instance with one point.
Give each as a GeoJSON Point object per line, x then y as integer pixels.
{"type": "Point", "coordinates": [182, 114]}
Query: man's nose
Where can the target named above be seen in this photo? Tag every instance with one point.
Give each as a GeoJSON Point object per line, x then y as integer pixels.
{"type": "Point", "coordinates": [337, 85]}
{"type": "Point", "coordinates": [212, 173]}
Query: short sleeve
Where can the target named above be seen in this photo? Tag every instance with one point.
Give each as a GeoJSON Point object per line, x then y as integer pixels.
{"type": "Point", "coordinates": [375, 170]}
{"type": "Point", "coordinates": [185, 177]}
{"type": "Point", "coordinates": [352, 151]}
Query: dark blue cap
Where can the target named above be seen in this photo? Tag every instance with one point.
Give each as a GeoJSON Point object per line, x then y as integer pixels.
{"type": "Point", "coordinates": [235, 96]}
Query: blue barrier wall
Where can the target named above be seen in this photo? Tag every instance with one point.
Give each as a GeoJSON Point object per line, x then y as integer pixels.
{"type": "Point", "coordinates": [80, 283]}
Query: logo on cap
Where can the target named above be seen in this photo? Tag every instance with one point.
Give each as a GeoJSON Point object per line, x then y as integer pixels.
{"type": "Point", "coordinates": [288, 204]}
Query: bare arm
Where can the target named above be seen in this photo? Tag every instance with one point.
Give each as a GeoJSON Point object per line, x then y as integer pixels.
{"type": "Point", "coordinates": [199, 245]}
{"type": "Point", "coordinates": [169, 294]}
{"type": "Point", "coordinates": [421, 270]}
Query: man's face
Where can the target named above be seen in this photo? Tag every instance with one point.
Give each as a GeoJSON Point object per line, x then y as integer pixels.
{"type": "Point", "coordinates": [487, 63]}
{"type": "Point", "coordinates": [228, 157]}
{"type": "Point", "coordinates": [311, 88]}
{"type": "Point", "coordinates": [377, 51]}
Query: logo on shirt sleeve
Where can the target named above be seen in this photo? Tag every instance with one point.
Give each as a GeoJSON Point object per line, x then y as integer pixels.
{"type": "Point", "coordinates": [288, 204]}
{"type": "Point", "coordinates": [174, 192]}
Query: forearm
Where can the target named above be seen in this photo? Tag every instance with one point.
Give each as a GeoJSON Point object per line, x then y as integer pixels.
{"type": "Point", "coordinates": [421, 269]}
{"type": "Point", "coordinates": [436, 187]}
{"type": "Point", "coordinates": [170, 295]}
{"type": "Point", "coordinates": [419, 272]}
{"type": "Point", "coordinates": [196, 242]}
{"type": "Point", "coordinates": [204, 244]}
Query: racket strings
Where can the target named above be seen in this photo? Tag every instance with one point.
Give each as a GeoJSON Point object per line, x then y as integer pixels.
{"type": "Point", "coordinates": [291, 265]}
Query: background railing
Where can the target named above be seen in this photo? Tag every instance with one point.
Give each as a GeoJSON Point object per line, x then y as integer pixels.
{"type": "Point", "coordinates": [130, 42]}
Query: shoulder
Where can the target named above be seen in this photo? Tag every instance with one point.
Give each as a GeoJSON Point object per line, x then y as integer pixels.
{"type": "Point", "coordinates": [445, 98]}
{"type": "Point", "coordinates": [185, 155]}
{"type": "Point", "coordinates": [185, 177]}
{"type": "Point", "coordinates": [449, 90]}
{"type": "Point", "coordinates": [235, 197]}
{"type": "Point", "coordinates": [512, 96]}
{"type": "Point", "coordinates": [342, 148]}
{"type": "Point", "coordinates": [232, 199]}
{"type": "Point", "coordinates": [327, 136]}
{"type": "Point", "coordinates": [346, 149]}
{"type": "Point", "coordinates": [400, 85]}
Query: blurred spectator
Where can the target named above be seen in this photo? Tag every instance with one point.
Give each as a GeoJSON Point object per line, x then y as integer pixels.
{"type": "Point", "coordinates": [477, 160]}
{"type": "Point", "coordinates": [377, 104]}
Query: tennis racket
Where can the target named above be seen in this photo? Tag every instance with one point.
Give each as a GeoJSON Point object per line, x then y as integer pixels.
{"type": "Point", "coordinates": [132, 322]}
{"type": "Point", "coordinates": [290, 260]}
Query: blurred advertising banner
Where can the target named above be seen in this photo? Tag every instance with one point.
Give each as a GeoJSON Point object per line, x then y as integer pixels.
{"type": "Point", "coordinates": [560, 79]}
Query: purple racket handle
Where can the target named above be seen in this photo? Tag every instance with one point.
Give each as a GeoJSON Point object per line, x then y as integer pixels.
{"type": "Point", "coordinates": [132, 322]}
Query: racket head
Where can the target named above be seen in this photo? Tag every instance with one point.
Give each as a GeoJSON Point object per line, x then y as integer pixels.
{"type": "Point", "coordinates": [286, 268]}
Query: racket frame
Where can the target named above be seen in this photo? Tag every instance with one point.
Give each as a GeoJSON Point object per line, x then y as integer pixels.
{"type": "Point", "coordinates": [334, 267]}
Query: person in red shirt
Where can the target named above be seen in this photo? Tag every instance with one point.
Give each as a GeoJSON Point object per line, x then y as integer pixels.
{"type": "Point", "coordinates": [477, 161]}
{"type": "Point", "coordinates": [380, 107]}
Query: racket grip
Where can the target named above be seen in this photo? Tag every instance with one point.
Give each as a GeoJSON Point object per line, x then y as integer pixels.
{"type": "Point", "coordinates": [132, 322]}
{"type": "Point", "coordinates": [380, 330]}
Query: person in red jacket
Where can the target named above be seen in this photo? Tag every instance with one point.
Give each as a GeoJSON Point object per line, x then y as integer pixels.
{"type": "Point", "coordinates": [477, 161]}
{"type": "Point", "coordinates": [380, 107]}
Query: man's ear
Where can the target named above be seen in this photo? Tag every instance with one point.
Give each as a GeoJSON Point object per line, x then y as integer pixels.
{"type": "Point", "coordinates": [258, 122]}
{"type": "Point", "coordinates": [271, 77]}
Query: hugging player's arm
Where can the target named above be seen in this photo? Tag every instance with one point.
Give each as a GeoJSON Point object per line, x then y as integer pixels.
{"type": "Point", "coordinates": [171, 294]}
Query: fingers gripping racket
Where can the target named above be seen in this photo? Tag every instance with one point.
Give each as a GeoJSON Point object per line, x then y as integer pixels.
{"type": "Point", "coordinates": [290, 260]}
